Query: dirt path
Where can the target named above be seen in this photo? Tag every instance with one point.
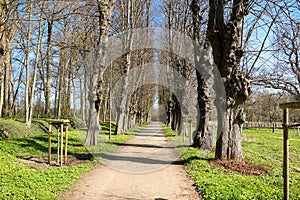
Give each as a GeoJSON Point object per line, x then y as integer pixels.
{"type": "Point", "coordinates": [145, 167]}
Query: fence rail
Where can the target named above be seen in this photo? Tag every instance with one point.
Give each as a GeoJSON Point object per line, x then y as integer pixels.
{"type": "Point", "coordinates": [263, 125]}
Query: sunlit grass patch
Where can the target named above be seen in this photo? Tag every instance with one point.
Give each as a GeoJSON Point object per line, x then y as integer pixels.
{"type": "Point", "coordinates": [260, 147]}
{"type": "Point", "coordinates": [30, 180]}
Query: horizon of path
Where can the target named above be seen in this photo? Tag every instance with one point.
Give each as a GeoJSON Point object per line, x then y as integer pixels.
{"type": "Point", "coordinates": [145, 167]}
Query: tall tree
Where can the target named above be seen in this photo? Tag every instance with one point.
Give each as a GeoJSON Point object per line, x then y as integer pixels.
{"type": "Point", "coordinates": [177, 16]}
{"type": "Point", "coordinates": [95, 83]}
{"type": "Point", "coordinates": [8, 22]}
{"type": "Point", "coordinates": [224, 34]}
{"type": "Point", "coordinates": [133, 15]}
{"type": "Point", "coordinates": [31, 74]}
{"type": "Point", "coordinates": [4, 16]}
{"type": "Point", "coordinates": [204, 137]}
{"type": "Point", "coordinates": [27, 64]}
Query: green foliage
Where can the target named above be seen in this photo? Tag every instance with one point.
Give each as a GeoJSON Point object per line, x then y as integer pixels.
{"type": "Point", "coordinates": [22, 180]}
{"type": "Point", "coordinates": [261, 147]}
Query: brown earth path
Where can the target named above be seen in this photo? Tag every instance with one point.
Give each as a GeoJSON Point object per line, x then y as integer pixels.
{"type": "Point", "coordinates": [145, 167]}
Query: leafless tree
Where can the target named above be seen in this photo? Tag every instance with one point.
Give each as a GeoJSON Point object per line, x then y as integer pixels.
{"type": "Point", "coordinates": [94, 74]}
{"type": "Point", "coordinates": [224, 33]}
{"type": "Point", "coordinates": [282, 70]}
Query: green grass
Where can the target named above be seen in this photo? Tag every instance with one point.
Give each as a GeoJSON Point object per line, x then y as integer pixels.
{"type": "Point", "coordinates": [17, 128]}
{"type": "Point", "coordinates": [261, 147]}
{"type": "Point", "coordinates": [19, 180]}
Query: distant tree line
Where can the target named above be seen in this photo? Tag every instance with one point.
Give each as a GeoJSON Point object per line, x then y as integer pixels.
{"type": "Point", "coordinates": [264, 107]}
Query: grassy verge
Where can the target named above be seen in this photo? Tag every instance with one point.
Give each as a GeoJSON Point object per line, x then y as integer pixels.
{"type": "Point", "coordinates": [23, 180]}
{"type": "Point", "coordinates": [16, 128]}
{"type": "Point", "coordinates": [261, 147]}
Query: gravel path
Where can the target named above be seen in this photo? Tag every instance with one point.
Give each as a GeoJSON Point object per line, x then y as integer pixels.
{"type": "Point", "coordinates": [145, 167]}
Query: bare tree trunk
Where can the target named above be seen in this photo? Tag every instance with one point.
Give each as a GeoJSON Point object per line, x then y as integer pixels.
{"type": "Point", "coordinates": [28, 73]}
{"type": "Point", "coordinates": [92, 115]}
{"type": "Point", "coordinates": [16, 93]}
{"type": "Point", "coordinates": [3, 39]}
{"type": "Point", "coordinates": [31, 97]}
{"type": "Point", "coordinates": [74, 96]}
{"type": "Point", "coordinates": [121, 121]}
{"type": "Point", "coordinates": [82, 97]}
{"type": "Point", "coordinates": [47, 86]}
{"type": "Point", "coordinates": [7, 79]}
{"type": "Point", "coordinates": [68, 89]}
{"type": "Point", "coordinates": [60, 85]}
{"type": "Point", "coordinates": [105, 106]}
{"type": "Point", "coordinates": [4, 53]}
{"type": "Point", "coordinates": [95, 85]}
{"type": "Point", "coordinates": [204, 137]}
{"type": "Point", "coordinates": [8, 15]}
{"type": "Point", "coordinates": [56, 98]}
{"type": "Point", "coordinates": [225, 39]}
{"type": "Point", "coordinates": [122, 107]}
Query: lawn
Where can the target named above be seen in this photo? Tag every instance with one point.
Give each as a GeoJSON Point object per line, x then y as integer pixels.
{"type": "Point", "coordinates": [259, 146]}
{"type": "Point", "coordinates": [20, 179]}
{"type": "Point", "coordinates": [17, 128]}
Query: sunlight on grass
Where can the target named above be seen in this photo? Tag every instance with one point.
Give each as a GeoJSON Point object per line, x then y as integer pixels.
{"type": "Point", "coordinates": [259, 146]}
{"type": "Point", "coordinates": [19, 180]}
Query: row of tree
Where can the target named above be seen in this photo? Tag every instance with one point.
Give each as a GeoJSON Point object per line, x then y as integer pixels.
{"type": "Point", "coordinates": [52, 64]}
{"type": "Point", "coordinates": [251, 42]}
{"type": "Point", "coordinates": [44, 50]}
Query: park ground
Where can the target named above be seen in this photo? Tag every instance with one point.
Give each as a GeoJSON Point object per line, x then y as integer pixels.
{"type": "Point", "coordinates": [145, 167]}
{"type": "Point", "coordinates": [24, 173]}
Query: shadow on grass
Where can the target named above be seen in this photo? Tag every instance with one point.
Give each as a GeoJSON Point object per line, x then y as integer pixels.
{"type": "Point", "coordinates": [42, 126]}
{"type": "Point", "coordinates": [105, 127]}
{"type": "Point", "coordinates": [192, 158]}
{"type": "Point", "coordinates": [29, 142]}
{"type": "Point", "coordinates": [81, 156]}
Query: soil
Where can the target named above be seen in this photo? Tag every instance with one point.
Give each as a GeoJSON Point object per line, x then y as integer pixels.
{"type": "Point", "coordinates": [245, 168]}
{"type": "Point", "coordinates": [42, 162]}
{"type": "Point", "coordinates": [145, 167]}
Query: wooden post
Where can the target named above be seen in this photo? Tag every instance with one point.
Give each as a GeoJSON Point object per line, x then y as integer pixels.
{"type": "Point", "coordinates": [60, 139]}
{"type": "Point", "coordinates": [191, 132]}
{"type": "Point", "coordinates": [286, 153]}
{"type": "Point", "coordinates": [61, 143]}
{"type": "Point", "coordinates": [66, 143]}
{"type": "Point", "coordinates": [110, 112]}
{"type": "Point", "coordinates": [183, 135]}
{"type": "Point", "coordinates": [49, 143]}
{"type": "Point", "coordinates": [58, 146]}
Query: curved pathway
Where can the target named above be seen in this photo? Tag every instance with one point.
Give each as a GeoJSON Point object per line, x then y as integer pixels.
{"type": "Point", "coordinates": [145, 167]}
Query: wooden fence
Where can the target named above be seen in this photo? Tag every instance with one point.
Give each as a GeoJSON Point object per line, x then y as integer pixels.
{"type": "Point", "coordinates": [263, 125]}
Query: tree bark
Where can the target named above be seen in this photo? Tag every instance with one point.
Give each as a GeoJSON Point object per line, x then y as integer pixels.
{"type": "Point", "coordinates": [3, 40]}
{"type": "Point", "coordinates": [28, 73]}
{"type": "Point", "coordinates": [95, 84]}
{"type": "Point", "coordinates": [47, 81]}
{"type": "Point", "coordinates": [7, 77]}
{"type": "Point", "coordinates": [82, 97]}
{"type": "Point", "coordinates": [15, 92]}
{"type": "Point", "coordinates": [122, 116]}
{"type": "Point", "coordinates": [61, 77]}
{"type": "Point", "coordinates": [225, 39]}
{"type": "Point", "coordinates": [203, 138]}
